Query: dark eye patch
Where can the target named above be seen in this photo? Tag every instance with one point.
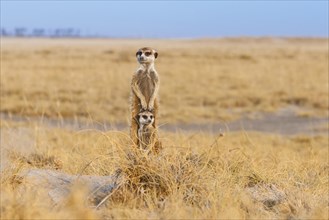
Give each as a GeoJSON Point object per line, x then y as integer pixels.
{"type": "Point", "coordinates": [148, 54]}
{"type": "Point", "coordinates": [139, 53]}
{"type": "Point", "coordinates": [151, 116]}
{"type": "Point", "coordinates": [144, 116]}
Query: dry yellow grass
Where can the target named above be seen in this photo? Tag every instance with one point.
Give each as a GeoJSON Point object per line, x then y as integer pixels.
{"type": "Point", "coordinates": [201, 80]}
{"type": "Point", "coordinates": [196, 176]}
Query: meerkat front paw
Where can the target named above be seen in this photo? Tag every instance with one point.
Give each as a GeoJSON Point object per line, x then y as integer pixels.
{"type": "Point", "coordinates": [143, 109]}
{"type": "Point", "coordinates": [150, 108]}
{"type": "Point", "coordinates": [143, 106]}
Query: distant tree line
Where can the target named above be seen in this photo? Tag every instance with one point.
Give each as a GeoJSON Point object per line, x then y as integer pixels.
{"type": "Point", "coordinates": [40, 32]}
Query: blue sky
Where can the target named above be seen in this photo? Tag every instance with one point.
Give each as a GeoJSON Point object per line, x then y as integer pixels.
{"type": "Point", "coordinates": [173, 19]}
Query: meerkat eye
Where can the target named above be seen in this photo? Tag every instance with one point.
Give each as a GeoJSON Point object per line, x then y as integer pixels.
{"type": "Point", "coordinates": [139, 53]}
{"type": "Point", "coordinates": [151, 116]}
{"type": "Point", "coordinates": [144, 116]}
{"type": "Point", "coordinates": [148, 54]}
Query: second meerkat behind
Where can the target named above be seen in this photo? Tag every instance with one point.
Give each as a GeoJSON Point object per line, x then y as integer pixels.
{"type": "Point", "coordinates": [147, 134]}
{"type": "Point", "coordinates": [145, 86]}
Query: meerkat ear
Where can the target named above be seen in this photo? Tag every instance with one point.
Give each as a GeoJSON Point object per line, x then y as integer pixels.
{"type": "Point", "coordinates": [155, 54]}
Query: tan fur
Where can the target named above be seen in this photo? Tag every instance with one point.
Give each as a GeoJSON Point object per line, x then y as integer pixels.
{"type": "Point", "coordinates": [145, 86]}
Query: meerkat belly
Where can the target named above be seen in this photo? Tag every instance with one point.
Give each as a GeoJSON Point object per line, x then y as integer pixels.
{"type": "Point", "coordinates": [146, 137]}
{"type": "Point", "coordinates": [147, 88]}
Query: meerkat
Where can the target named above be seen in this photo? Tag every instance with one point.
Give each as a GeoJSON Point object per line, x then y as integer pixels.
{"type": "Point", "coordinates": [147, 134]}
{"type": "Point", "coordinates": [145, 86]}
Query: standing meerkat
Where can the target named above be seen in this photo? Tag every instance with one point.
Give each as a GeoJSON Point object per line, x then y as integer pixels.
{"type": "Point", "coordinates": [145, 86]}
{"type": "Point", "coordinates": [147, 134]}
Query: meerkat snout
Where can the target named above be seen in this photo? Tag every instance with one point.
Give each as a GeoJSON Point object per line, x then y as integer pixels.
{"type": "Point", "coordinates": [150, 119]}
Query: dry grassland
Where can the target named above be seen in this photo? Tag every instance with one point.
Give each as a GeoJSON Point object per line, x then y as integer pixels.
{"type": "Point", "coordinates": [201, 80]}
{"type": "Point", "coordinates": [198, 176]}
{"type": "Point", "coordinates": [241, 175]}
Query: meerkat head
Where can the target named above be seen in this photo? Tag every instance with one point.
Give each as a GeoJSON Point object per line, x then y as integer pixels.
{"type": "Point", "coordinates": [146, 118]}
{"type": "Point", "coordinates": [146, 55]}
